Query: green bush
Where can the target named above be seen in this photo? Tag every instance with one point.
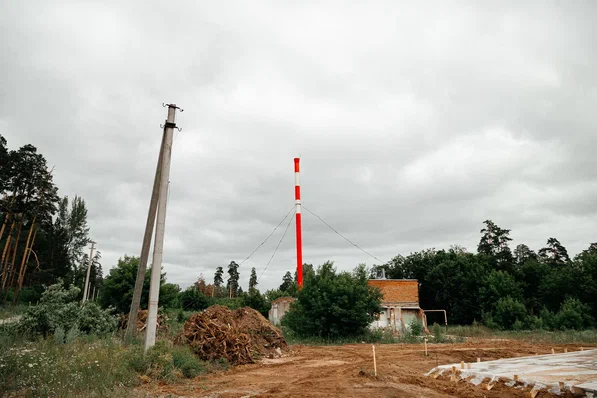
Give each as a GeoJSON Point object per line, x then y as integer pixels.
{"type": "Point", "coordinates": [573, 315]}
{"type": "Point", "coordinates": [436, 331]}
{"type": "Point", "coordinates": [507, 312]}
{"type": "Point", "coordinates": [415, 327]}
{"type": "Point", "coordinates": [167, 362]}
{"type": "Point", "coordinates": [59, 308]}
{"type": "Point", "coordinates": [333, 305]}
{"type": "Point", "coordinates": [193, 300]}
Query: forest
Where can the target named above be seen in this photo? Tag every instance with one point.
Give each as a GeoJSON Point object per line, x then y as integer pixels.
{"type": "Point", "coordinates": [43, 236]}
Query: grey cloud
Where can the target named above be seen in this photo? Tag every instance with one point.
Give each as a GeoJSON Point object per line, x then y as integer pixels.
{"type": "Point", "coordinates": [414, 122]}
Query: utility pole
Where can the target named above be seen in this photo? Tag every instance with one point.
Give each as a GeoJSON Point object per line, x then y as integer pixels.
{"type": "Point", "coordinates": [131, 328]}
{"type": "Point", "coordinates": [158, 247]}
{"type": "Point", "coordinates": [86, 289]}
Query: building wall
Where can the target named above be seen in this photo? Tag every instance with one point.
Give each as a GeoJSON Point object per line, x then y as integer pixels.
{"type": "Point", "coordinates": [279, 308]}
{"type": "Point", "coordinates": [397, 290]}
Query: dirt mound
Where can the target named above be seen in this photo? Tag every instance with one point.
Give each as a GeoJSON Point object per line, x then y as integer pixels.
{"type": "Point", "coordinates": [240, 336]}
{"type": "Point", "coordinates": [162, 322]}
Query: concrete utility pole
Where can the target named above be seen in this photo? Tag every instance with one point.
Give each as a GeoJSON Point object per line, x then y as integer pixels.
{"type": "Point", "coordinates": [158, 247]}
{"type": "Point", "coordinates": [131, 328]}
{"type": "Point", "coordinates": [86, 289]}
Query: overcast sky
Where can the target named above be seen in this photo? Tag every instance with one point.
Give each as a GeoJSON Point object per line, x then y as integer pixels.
{"type": "Point", "coordinates": [415, 121]}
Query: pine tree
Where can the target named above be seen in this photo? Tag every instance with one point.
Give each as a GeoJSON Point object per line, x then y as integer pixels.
{"type": "Point", "coordinates": [218, 277]}
{"type": "Point", "coordinates": [233, 278]}
{"type": "Point", "coordinates": [253, 280]}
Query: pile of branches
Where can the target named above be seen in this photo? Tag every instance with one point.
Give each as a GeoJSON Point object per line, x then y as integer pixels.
{"type": "Point", "coordinates": [239, 336]}
{"type": "Point", "coordinates": [162, 322]}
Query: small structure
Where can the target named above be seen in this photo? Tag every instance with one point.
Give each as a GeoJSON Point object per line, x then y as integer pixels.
{"type": "Point", "coordinates": [400, 303]}
{"type": "Point", "coordinates": [280, 306]}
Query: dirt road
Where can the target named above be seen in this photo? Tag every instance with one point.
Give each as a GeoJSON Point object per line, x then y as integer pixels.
{"type": "Point", "coordinates": [345, 371]}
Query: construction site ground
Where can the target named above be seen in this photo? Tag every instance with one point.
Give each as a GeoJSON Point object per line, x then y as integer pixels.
{"type": "Point", "coordinates": [346, 371]}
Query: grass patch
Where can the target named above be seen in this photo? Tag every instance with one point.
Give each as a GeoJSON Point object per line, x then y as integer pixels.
{"type": "Point", "coordinates": [10, 311]}
{"type": "Point", "coordinates": [588, 336]}
{"type": "Point", "coordinates": [377, 336]}
{"type": "Point", "coordinates": [92, 366]}
{"type": "Point", "coordinates": [88, 366]}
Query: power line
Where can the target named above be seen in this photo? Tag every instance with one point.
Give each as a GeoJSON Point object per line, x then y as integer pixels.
{"type": "Point", "coordinates": [345, 238]}
{"type": "Point", "coordinates": [269, 236]}
{"type": "Point", "coordinates": [279, 243]}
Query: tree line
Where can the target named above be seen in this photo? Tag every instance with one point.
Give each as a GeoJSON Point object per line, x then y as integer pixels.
{"type": "Point", "coordinates": [504, 288]}
{"type": "Point", "coordinates": [42, 235]}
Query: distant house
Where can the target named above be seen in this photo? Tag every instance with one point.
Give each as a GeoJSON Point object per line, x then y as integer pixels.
{"type": "Point", "coordinates": [400, 304]}
{"type": "Point", "coordinates": [280, 306]}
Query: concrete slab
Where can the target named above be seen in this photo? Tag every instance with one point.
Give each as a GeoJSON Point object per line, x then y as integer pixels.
{"type": "Point", "coordinates": [553, 372]}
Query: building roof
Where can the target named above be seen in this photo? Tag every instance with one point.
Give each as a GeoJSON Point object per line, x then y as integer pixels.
{"type": "Point", "coordinates": [282, 299]}
{"type": "Point", "coordinates": [397, 290]}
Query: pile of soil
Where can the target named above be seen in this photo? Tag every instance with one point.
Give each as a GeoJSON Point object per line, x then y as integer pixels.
{"type": "Point", "coordinates": [162, 322]}
{"type": "Point", "coordinates": [240, 336]}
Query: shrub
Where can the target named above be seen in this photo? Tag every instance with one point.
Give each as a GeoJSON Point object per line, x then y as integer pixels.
{"type": "Point", "coordinates": [415, 327]}
{"type": "Point", "coordinates": [534, 322]}
{"type": "Point", "coordinates": [59, 308]}
{"type": "Point", "coordinates": [573, 315]}
{"type": "Point", "coordinates": [436, 331]}
{"type": "Point", "coordinates": [547, 318]}
{"type": "Point", "coordinates": [193, 299]}
{"type": "Point", "coordinates": [166, 362]}
{"type": "Point", "coordinates": [334, 304]}
{"type": "Point", "coordinates": [508, 311]}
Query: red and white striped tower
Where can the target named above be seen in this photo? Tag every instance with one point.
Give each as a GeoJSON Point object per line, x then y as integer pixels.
{"type": "Point", "coordinates": [299, 233]}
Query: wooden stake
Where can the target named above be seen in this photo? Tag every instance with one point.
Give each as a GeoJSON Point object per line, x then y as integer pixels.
{"type": "Point", "coordinates": [582, 349]}
{"type": "Point", "coordinates": [553, 351]}
{"type": "Point", "coordinates": [461, 364]}
{"type": "Point", "coordinates": [426, 348]}
{"type": "Point", "coordinates": [478, 359]}
{"type": "Point", "coordinates": [565, 350]}
{"type": "Point", "coordinates": [374, 362]}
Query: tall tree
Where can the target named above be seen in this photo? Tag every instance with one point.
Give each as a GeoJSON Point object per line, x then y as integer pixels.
{"type": "Point", "coordinates": [494, 243]}
{"type": "Point", "coordinates": [287, 282]}
{"type": "Point", "coordinates": [522, 254]}
{"type": "Point", "coordinates": [233, 277]}
{"type": "Point", "coordinates": [554, 253]}
{"type": "Point", "coordinates": [219, 277]}
{"type": "Point", "coordinates": [253, 280]}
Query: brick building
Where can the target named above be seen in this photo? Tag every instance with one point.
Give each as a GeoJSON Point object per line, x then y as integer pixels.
{"type": "Point", "coordinates": [400, 303]}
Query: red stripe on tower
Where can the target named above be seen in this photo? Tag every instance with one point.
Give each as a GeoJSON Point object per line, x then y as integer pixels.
{"type": "Point", "coordinates": [299, 236]}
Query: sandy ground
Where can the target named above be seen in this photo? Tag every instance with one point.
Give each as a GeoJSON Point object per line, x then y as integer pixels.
{"type": "Point", "coordinates": [346, 371]}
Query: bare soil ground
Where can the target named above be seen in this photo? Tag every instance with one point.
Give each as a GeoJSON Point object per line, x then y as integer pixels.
{"type": "Point", "coordinates": [346, 371]}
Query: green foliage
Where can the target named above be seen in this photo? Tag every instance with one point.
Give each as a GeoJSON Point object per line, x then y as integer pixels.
{"type": "Point", "coordinates": [256, 301]}
{"type": "Point", "coordinates": [333, 304]}
{"type": "Point", "coordinates": [193, 299]}
{"type": "Point", "coordinates": [167, 362]}
{"type": "Point", "coordinates": [288, 285]}
{"type": "Point", "coordinates": [218, 277]}
{"type": "Point", "coordinates": [573, 315]}
{"type": "Point", "coordinates": [169, 295]}
{"type": "Point", "coordinates": [60, 308]}
{"type": "Point", "coordinates": [233, 277]}
{"type": "Point", "coordinates": [83, 368]}
{"type": "Point", "coordinates": [118, 286]}
{"type": "Point", "coordinates": [253, 280]}
{"type": "Point", "coordinates": [437, 333]}
{"type": "Point", "coordinates": [507, 312]}
{"type": "Point", "coordinates": [415, 327]}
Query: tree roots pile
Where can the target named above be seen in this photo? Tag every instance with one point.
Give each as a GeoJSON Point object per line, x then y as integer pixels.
{"type": "Point", "coordinates": [162, 322]}
{"type": "Point", "coordinates": [239, 336]}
